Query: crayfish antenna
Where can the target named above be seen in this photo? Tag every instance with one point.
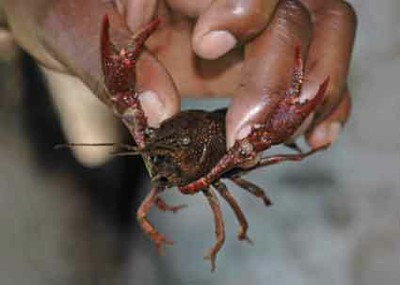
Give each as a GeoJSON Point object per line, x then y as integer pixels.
{"type": "Point", "coordinates": [72, 145]}
{"type": "Point", "coordinates": [130, 148]}
{"type": "Point", "coordinates": [125, 153]}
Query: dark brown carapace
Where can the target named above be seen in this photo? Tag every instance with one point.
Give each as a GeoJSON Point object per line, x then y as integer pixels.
{"type": "Point", "coordinates": [189, 149]}
{"type": "Point", "coordinates": [187, 146]}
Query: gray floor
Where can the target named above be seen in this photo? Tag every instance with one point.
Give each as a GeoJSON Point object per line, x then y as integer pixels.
{"type": "Point", "coordinates": [335, 219]}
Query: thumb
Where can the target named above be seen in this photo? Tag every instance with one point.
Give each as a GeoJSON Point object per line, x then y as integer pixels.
{"type": "Point", "coordinates": [136, 12]}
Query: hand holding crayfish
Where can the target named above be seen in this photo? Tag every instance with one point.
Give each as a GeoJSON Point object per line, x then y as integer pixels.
{"type": "Point", "coordinates": [256, 58]}
{"type": "Point", "coordinates": [251, 43]}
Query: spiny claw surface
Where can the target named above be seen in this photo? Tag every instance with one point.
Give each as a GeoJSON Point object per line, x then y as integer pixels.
{"type": "Point", "coordinates": [119, 64]}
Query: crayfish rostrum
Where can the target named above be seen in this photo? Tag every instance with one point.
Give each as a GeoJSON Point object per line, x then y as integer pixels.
{"type": "Point", "coordinates": [189, 150]}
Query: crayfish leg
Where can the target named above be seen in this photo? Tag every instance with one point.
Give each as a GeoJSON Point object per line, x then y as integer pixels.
{"type": "Point", "coordinates": [270, 160]}
{"type": "Point", "coordinates": [141, 214]}
{"type": "Point", "coordinates": [251, 188]}
{"type": "Point", "coordinates": [163, 206]}
{"type": "Point", "coordinates": [294, 146]}
{"type": "Point", "coordinates": [219, 226]}
{"type": "Point", "coordinates": [226, 194]}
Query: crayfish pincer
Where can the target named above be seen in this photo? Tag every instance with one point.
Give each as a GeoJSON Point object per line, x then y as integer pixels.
{"type": "Point", "coordinates": [189, 150]}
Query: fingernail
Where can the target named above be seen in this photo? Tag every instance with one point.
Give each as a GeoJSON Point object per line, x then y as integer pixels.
{"type": "Point", "coordinates": [8, 48]}
{"type": "Point", "coordinates": [120, 6]}
{"type": "Point", "coordinates": [325, 133]}
{"type": "Point", "coordinates": [240, 134]}
{"type": "Point", "coordinates": [136, 12]}
{"type": "Point", "coordinates": [308, 92]}
{"type": "Point", "coordinates": [215, 44]}
{"type": "Point", "coordinates": [153, 107]}
{"type": "Point", "coordinates": [304, 126]}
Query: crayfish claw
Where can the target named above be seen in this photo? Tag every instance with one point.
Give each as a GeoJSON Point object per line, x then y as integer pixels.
{"type": "Point", "coordinates": [119, 64]}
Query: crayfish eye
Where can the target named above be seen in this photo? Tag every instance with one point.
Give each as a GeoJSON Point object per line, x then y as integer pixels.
{"type": "Point", "coordinates": [149, 132]}
{"type": "Point", "coordinates": [163, 180]}
{"type": "Point", "coordinates": [186, 141]}
{"type": "Point", "coordinates": [158, 159]}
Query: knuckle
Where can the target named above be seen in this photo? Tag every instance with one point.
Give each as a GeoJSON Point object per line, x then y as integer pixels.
{"type": "Point", "coordinates": [295, 10]}
{"type": "Point", "coordinates": [246, 18]}
{"type": "Point", "coordinates": [292, 16]}
{"type": "Point", "coordinates": [260, 9]}
{"type": "Point", "coordinates": [332, 97]}
{"type": "Point", "coordinates": [334, 90]}
{"type": "Point", "coordinates": [345, 12]}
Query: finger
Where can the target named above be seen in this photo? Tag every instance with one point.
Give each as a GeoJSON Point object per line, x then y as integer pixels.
{"type": "Point", "coordinates": [142, 75]}
{"type": "Point", "coordinates": [73, 37]}
{"type": "Point", "coordinates": [267, 71]}
{"type": "Point", "coordinates": [8, 46]}
{"type": "Point", "coordinates": [327, 131]}
{"type": "Point", "coordinates": [84, 119]}
{"type": "Point", "coordinates": [189, 8]}
{"type": "Point", "coordinates": [137, 12]}
{"type": "Point", "coordinates": [227, 22]}
{"type": "Point", "coordinates": [334, 24]}
{"type": "Point", "coordinates": [158, 94]}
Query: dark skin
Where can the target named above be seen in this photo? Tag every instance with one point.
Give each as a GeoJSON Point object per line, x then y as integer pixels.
{"type": "Point", "coordinates": [253, 68]}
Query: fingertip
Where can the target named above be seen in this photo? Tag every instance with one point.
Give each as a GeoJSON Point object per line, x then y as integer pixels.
{"type": "Point", "coordinates": [324, 134]}
{"type": "Point", "coordinates": [241, 133]}
{"type": "Point", "coordinates": [154, 107]}
{"type": "Point", "coordinates": [228, 22]}
{"type": "Point", "coordinates": [136, 12]}
{"type": "Point", "coordinates": [8, 46]}
{"type": "Point", "coordinates": [241, 117]}
{"type": "Point", "coordinates": [83, 118]}
{"type": "Point", "coordinates": [268, 69]}
{"type": "Point", "coordinates": [158, 94]}
{"type": "Point", "coordinates": [327, 130]}
{"type": "Point", "coordinates": [214, 44]}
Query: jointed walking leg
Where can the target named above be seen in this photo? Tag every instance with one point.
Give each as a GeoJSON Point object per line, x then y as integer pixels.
{"type": "Point", "coordinates": [219, 226]}
{"type": "Point", "coordinates": [144, 223]}
{"type": "Point", "coordinates": [223, 190]}
{"type": "Point", "coordinates": [251, 188]}
{"type": "Point", "coordinates": [269, 160]}
{"type": "Point", "coordinates": [163, 206]}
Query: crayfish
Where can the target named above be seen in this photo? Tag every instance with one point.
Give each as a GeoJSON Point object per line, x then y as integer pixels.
{"type": "Point", "coordinates": [189, 150]}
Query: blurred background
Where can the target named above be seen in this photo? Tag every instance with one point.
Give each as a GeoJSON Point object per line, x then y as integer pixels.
{"type": "Point", "coordinates": [335, 218]}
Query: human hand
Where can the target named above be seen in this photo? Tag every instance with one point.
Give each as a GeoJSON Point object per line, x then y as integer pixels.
{"type": "Point", "coordinates": [251, 61]}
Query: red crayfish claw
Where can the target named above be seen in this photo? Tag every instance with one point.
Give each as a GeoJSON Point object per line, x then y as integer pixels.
{"type": "Point", "coordinates": [288, 115]}
{"type": "Point", "coordinates": [119, 64]}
